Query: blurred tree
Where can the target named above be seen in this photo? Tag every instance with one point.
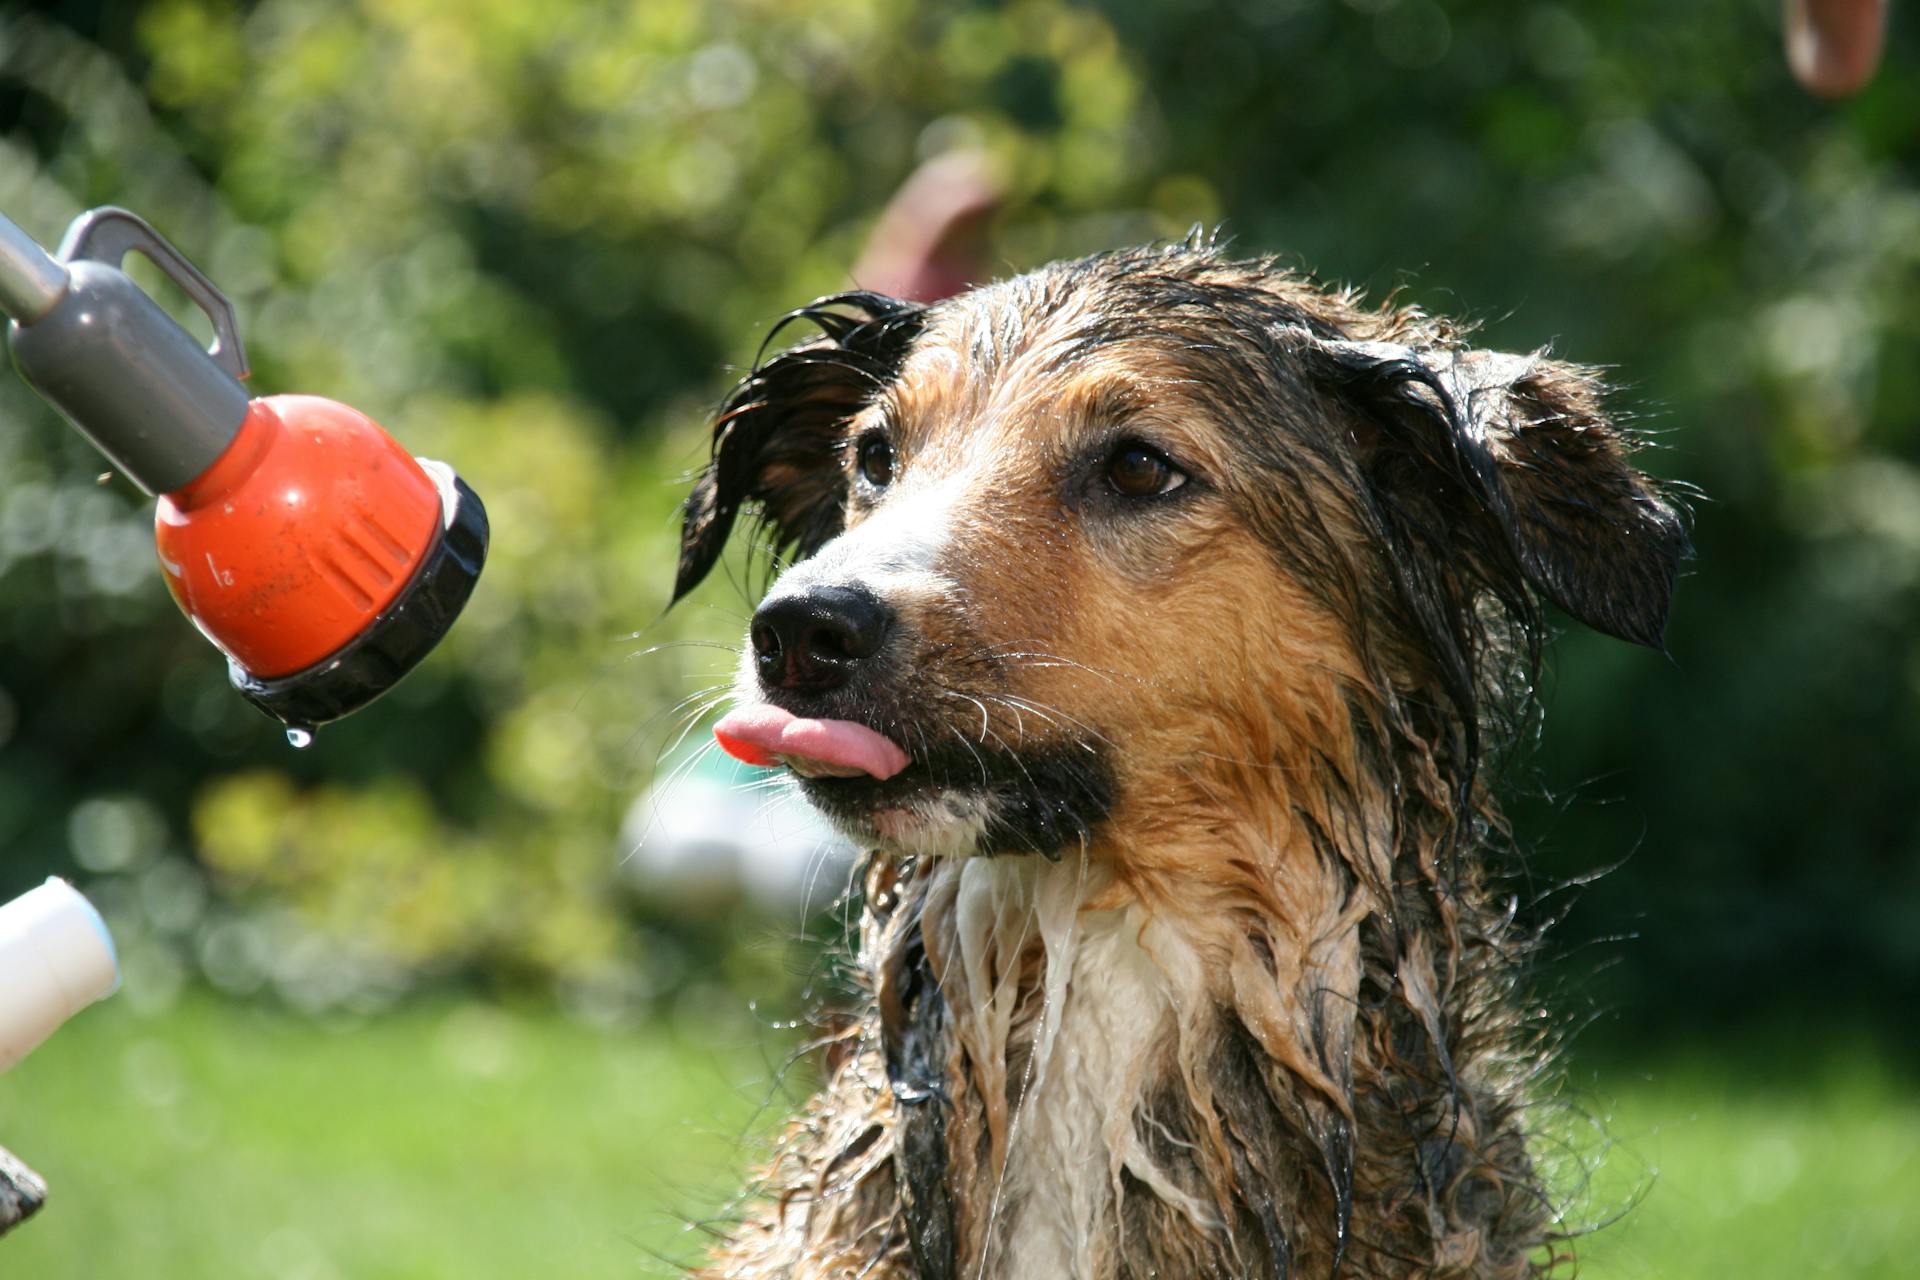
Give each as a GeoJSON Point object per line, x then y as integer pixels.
{"type": "Point", "coordinates": [539, 239]}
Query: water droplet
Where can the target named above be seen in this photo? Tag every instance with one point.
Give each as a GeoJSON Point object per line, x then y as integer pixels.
{"type": "Point", "coordinates": [299, 737]}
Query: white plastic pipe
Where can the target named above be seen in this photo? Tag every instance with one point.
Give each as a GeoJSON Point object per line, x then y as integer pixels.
{"type": "Point", "coordinates": [56, 958]}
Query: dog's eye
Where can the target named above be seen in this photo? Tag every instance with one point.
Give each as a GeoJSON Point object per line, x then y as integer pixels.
{"type": "Point", "coordinates": [1140, 471]}
{"type": "Point", "coordinates": [875, 460]}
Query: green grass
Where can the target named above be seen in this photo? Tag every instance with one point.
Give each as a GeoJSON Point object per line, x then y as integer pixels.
{"type": "Point", "coordinates": [466, 1141]}
{"type": "Point", "coordinates": [1793, 1155]}
{"type": "Point", "coordinates": [221, 1142]}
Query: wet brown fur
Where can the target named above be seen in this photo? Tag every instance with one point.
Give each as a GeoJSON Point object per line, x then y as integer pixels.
{"type": "Point", "coordinates": [1290, 678]}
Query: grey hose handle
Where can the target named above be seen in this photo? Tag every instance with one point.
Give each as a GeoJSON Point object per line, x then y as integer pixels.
{"type": "Point", "coordinates": [144, 390]}
{"type": "Point", "coordinates": [109, 233]}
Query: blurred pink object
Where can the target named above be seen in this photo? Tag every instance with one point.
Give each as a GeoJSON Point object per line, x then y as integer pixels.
{"type": "Point", "coordinates": [929, 243]}
{"type": "Point", "coordinates": [1834, 46]}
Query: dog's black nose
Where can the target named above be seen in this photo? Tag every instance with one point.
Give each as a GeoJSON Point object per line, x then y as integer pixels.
{"type": "Point", "coordinates": [812, 640]}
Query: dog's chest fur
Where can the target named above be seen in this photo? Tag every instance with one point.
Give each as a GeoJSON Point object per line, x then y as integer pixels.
{"type": "Point", "coordinates": [1071, 1012]}
{"type": "Point", "coordinates": [1063, 1166]}
{"type": "Point", "coordinates": [1045, 1089]}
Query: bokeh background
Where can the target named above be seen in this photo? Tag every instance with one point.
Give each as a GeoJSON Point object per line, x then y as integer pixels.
{"type": "Point", "coordinates": [406, 1003]}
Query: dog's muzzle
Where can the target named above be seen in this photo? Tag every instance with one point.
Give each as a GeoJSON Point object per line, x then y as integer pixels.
{"type": "Point", "coordinates": [840, 681]}
{"type": "Point", "coordinates": [810, 643]}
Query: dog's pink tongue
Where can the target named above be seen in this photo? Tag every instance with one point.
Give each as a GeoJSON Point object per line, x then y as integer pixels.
{"type": "Point", "coordinates": [759, 734]}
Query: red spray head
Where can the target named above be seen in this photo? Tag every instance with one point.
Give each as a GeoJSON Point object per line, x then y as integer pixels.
{"type": "Point", "coordinates": [299, 537]}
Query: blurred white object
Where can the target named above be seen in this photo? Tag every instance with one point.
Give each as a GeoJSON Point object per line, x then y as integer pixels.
{"type": "Point", "coordinates": [712, 830]}
{"type": "Point", "coordinates": [56, 958]}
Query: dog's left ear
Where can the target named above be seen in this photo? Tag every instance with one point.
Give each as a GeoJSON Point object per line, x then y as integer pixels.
{"type": "Point", "coordinates": [1523, 442]}
{"type": "Point", "coordinates": [776, 438]}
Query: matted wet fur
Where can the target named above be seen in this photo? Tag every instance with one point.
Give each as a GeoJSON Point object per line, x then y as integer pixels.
{"type": "Point", "coordinates": [1208, 593]}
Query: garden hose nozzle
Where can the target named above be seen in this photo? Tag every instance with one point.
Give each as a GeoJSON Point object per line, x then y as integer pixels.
{"type": "Point", "coordinates": [320, 557]}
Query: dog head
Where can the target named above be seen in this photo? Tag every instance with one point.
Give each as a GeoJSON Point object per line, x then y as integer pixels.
{"type": "Point", "coordinates": [1079, 550]}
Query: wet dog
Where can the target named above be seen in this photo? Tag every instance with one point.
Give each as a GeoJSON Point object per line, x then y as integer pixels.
{"type": "Point", "coordinates": [1153, 620]}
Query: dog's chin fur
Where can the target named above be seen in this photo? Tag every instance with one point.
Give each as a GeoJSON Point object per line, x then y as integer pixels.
{"type": "Point", "coordinates": [1041, 798]}
{"type": "Point", "coordinates": [936, 820]}
{"type": "Point", "coordinates": [943, 823]}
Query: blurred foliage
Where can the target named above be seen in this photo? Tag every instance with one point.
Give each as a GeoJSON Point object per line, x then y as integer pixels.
{"type": "Point", "coordinates": [536, 240]}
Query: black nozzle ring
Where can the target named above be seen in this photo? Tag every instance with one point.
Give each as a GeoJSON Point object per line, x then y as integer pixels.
{"type": "Point", "coordinates": [396, 640]}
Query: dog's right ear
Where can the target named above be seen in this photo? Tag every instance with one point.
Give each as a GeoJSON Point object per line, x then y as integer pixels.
{"type": "Point", "coordinates": [776, 440]}
{"type": "Point", "coordinates": [1509, 460]}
